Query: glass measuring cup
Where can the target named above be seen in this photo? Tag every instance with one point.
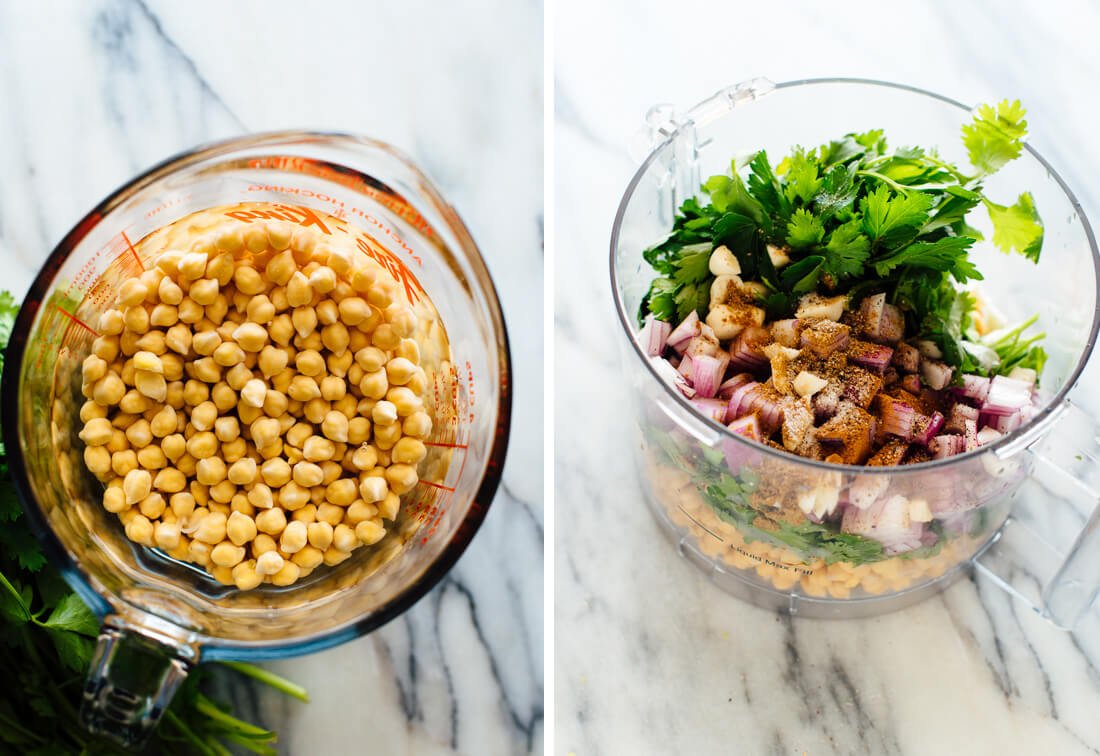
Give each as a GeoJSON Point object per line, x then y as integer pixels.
{"type": "Point", "coordinates": [161, 616]}
{"type": "Point", "coordinates": [1021, 510]}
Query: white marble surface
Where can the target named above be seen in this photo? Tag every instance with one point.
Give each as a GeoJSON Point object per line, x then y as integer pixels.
{"type": "Point", "coordinates": [650, 657]}
{"type": "Point", "coordinates": [93, 92]}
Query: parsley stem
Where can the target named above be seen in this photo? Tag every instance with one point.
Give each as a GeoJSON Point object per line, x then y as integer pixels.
{"type": "Point", "coordinates": [11, 589]}
{"type": "Point", "coordinates": [188, 733]}
{"type": "Point", "coordinates": [205, 706]}
{"type": "Point", "coordinates": [269, 678]}
{"type": "Point", "coordinates": [12, 724]}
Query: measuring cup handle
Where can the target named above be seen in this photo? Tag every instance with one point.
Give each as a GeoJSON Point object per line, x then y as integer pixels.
{"type": "Point", "coordinates": [130, 683]}
{"type": "Point", "coordinates": [1060, 585]}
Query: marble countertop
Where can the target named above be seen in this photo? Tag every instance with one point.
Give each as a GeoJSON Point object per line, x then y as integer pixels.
{"type": "Point", "coordinates": [651, 657]}
{"type": "Point", "coordinates": [92, 93]}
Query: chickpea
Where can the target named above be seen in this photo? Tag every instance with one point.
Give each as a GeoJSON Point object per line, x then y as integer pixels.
{"type": "Point", "coordinates": [210, 528]}
{"type": "Point", "coordinates": [243, 472]}
{"type": "Point", "coordinates": [237, 376]}
{"type": "Point", "coordinates": [97, 431]}
{"type": "Point", "coordinates": [271, 521]}
{"type": "Point", "coordinates": [293, 496]}
{"type": "Point", "coordinates": [384, 413]}
{"type": "Point", "coordinates": [370, 532]}
{"type": "Point", "coordinates": [404, 400]}
{"type": "Point", "coordinates": [106, 348]}
{"type": "Point", "coordinates": [307, 474]}
{"type": "Point", "coordinates": [109, 390]}
{"type": "Point", "coordinates": [136, 485]}
{"type": "Point", "coordinates": [223, 493]}
{"type": "Point", "coordinates": [275, 404]}
{"type": "Point", "coordinates": [343, 538]}
{"type": "Point", "coordinates": [293, 538]}
{"type": "Point", "coordinates": [152, 506]}
{"type": "Point", "coordinates": [227, 554]}
{"type": "Point", "coordinates": [170, 480]}
{"type": "Point", "coordinates": [339, 364]}
{"type": "Point", "coordinates": [354, 310]}
{"type": "Point", "coordinates": [114, 500]}
{"type": "Point", "coordinates": [111, 322]}
{"type": "Point", "coordinates": [163, 422]}
{"type": "Point", "coordinates": [418, 425]}
{"type": "Point", "coordinates": [409, 451]}
{"type": "Point", "coordinates": [246, 577]}
{"type": "Point", "coordinates": [206, 369]}
{"type": "Point", "coordinates": [260, 496]}
{"type": "Point", "coordinates": [304, 320]}
{"type": "Point", "coordinates": [240, 528]}
{"type": "Point", "coordinates": [275, 472]}
{"type": "Point", "coordinates": [309, 363]}
{"type": "Point", "coordinates": [317, 449]}
{"type": "Point", "coordinates": [401, 478]}
{"type": "Point", "coordinates": [174, 446]}
{"type": "Point", "coordinates": [373, 489]}
{"type": "Point", "coordinates": [210, 471]}
{"type": "Point", "coordinates": [315, 410]}
{"type": "Point", "coordinates": [202, 445]}
{"type": "Point", "coordinates": [358, 430]}
{"type": "Point", "coordinates": [253, 393]}
{"type": "Point", "coordinates": [303, 388]}
{"type": "Point", "coordinates": [282, 329]}
{"type": "Point", "coordinates": [228, 354]}
{"type": "Point", "coordinates": [335, 427]}
{"type": "Point", "coordinates": [272, 361]}
{"type": "Point", "coordinates": [139, 529]}
{"type": "Point", "coordinates": [251, 337]}
{"type": "Point", "coordinates": [123, 461]}
{"type": "Point", "coordinates": [264, 432]}
{"type": "Point", "coordinates": [288, 575]}
{"type": "Point", "coordinates": [409, 350]}
{"type": "Point", "coordinates": [341, 492]}
{"type": "Point", "coordinates": [299, 292]}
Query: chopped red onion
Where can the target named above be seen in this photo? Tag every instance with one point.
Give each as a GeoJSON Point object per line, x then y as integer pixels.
{"type": "Point", "coordinates": [738, 404]}
{"type": "Point", "coordinates": [687, 368]}
{"type": "Point", "coordinates": [906, 358]}
{"type": "Point", "coordinates": [685, 332]}
{"type": "Point", "coordinates": [1006, 423]}
{"type": "Point", "coordinates": [747, 426]}
{"type": "Point", "coordinates": [1027, 375]}
{"type": "Point", "coordinates": [654, 336]}
{"type": "Point", "coordinates": [970, 435]}
{"type": "Point", "coordinates": [896, 416]}
{"type": "Point", "coordinates": [745, 350]}
{"type": "Point", "coordinates": [874, 357]}
{"type": "Point", "coordinates": [715, 409]}
{"type": "Point", "coordinates": [925, 428]}
{"type": "Point", "coordinates": [880, 321]}
{"type": "Point", "coordinates": [725, 391]}
{"type": "Point", "coordinates": [946, 446]}
{"type": "Point", "coordinates": [936, 374]}
{"type": "Point", "coordinates": [1006, 396]}
{"type": "Point", "coordinates": [973, 387]}
{"type": "Point", "coordinates": [959, 413]}
{"type": "Point", "coordinates": [707, 373]}
{"type": "Point", "coordinates": [987, 436]}
{"type": "Point", "coordinates": [911, 383]}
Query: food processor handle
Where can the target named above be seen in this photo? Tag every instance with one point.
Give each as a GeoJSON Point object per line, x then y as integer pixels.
{"type": "Point", "coordinates": [1060, 585]}
{"type": "Point", "coordinates": [131, 682]}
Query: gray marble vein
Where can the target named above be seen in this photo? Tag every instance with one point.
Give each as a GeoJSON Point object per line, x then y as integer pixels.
{"type": "Point", "coordinates": [652, 658]}
{"type": "Point", "coordinates": [91, 93]}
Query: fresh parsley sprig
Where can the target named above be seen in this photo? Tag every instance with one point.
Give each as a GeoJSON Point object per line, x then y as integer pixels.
{"type": "Point", "coordinates": [857, 218]}
{"type": "Point", "coordinates": [47, 636]}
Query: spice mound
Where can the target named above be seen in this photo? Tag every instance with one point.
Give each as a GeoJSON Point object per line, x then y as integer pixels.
{"type": "Point", "coordinates": [255, 400]}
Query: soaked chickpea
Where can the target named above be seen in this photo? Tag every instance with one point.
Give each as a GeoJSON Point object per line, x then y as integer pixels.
{"type": "Point", "coordinates": [256, 401]}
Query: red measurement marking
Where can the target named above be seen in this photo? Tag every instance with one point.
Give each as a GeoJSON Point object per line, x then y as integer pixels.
{"type": "Point", "coordinates": [437, 485]}
{"type": "Point", "coordinates": [77, 320]}
{"type": "Point", "coordinates": [134, 251]}
{"type": "Point", "coordinates": [445, 446]}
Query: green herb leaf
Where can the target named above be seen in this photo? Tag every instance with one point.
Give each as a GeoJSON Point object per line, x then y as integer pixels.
{"type": "Point", "coordinates": [848, 249]}
{"type": "Point", "coordinates": [802, 179]}
{"type": "Point", "coordinates": [885, 213]}
{"type": "Point", "coordinates": [804, 229]}
{"type": "Point", "coordinates": [802, 277]}
{"type": "Point", "coordinates": [73, 615]}
{"type": "Point", "coordinates": [1017, 227]}
{"type": "Point", "coordinates": [947, 255]}
{"type": "Point", "coordinates": [995, 136]}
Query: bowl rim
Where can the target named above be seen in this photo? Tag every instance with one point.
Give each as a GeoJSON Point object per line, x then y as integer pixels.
{"type": "Point", "coordinates": [1004, 445]}
{"type": "Point", "coordinates": [212, 647]}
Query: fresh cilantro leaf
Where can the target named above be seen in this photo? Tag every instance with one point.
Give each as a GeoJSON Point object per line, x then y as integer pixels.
{"type": "Point", "coordinates": [884, 212]}
{"type": "Point", "coordinates": [995, 136]}
{"type": "Point", "coordinates": [660, 300]}
{"type": "Point", "coordinates": [1017, 227]}
{"type": "Point", "coordinates": [764, 186]}
{"type": "Point", "coordinates": [804, 229]}
{"type": "Point", "coordinates": [947, 255]}
{"type": "Point", "coordinates": [728, 194]}
{"type": "Point", "coordinates": [838, 191]}
{"type": "Point", "coordinates": [74, 651]}
{"type": "Point", "coordinates": [73, 615]}
{"type": "Point", "coordinates": [802, 180]}
{"type": "Point", "coordinates": [847, 250]}
{"type": "Point", "coordinates": [952, 209]}
{"type": "Point", "coordinates": [690, 297]}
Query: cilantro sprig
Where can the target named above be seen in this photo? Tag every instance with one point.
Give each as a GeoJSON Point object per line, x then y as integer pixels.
{"type": "Point", "coordinates": [858, 218]}
{"type": "Point", "coordinates": [47, 637]}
